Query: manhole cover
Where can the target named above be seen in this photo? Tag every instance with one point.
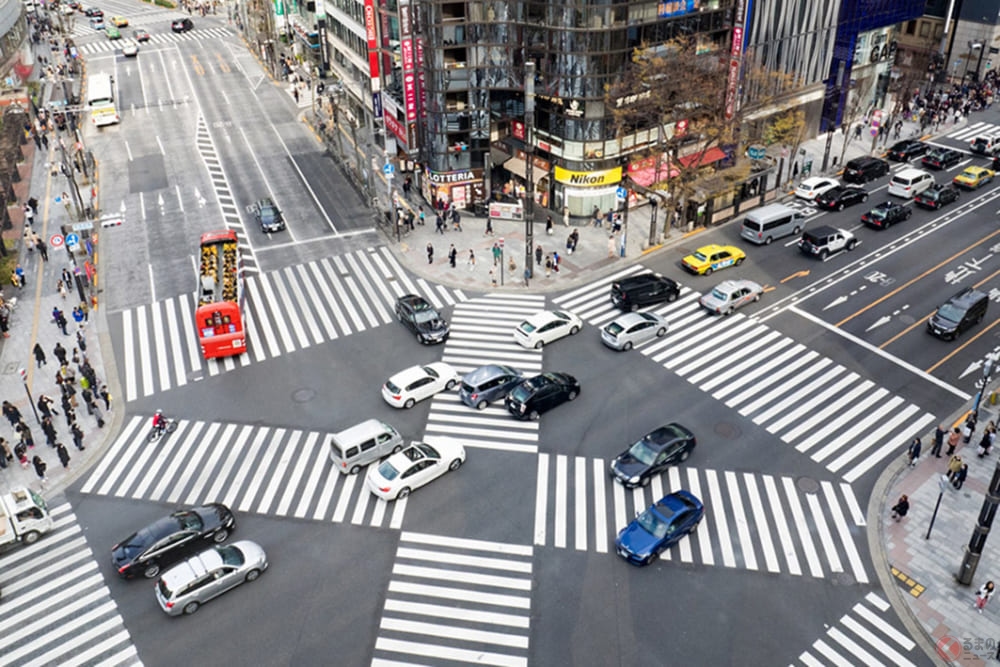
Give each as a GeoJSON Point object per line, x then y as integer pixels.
{"type": "Point", "coordinates": [907, 319]}
{"type": "Point", "coordinates": [807, 485]}
{"type": "Point", "coordinates": [843, 579]}
{"type": "Point", "coordinates": [303, 395]}
{"type": "Point", "coordinates": [726, 430]}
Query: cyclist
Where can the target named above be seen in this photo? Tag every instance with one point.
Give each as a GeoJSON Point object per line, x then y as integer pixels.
{"type": "Point", "coordinates": [159, 423]}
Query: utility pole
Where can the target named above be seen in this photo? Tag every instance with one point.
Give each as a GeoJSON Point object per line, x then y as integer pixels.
{"type": "Point", "coordinates": [529, 126]}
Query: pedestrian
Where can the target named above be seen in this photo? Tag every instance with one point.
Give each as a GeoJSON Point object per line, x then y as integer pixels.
{"type": "Point", "coordinates": [572, 241]}
{"type": "Point", "coordinates": [953, 439]}
{"type": "Point", "coordinates": [5, 451]}
{"type": "Point", "coordinates": [67, 277]}
{"type": "Point", "coordinates": [60, 353]}
{"type": "Point", "coordinates": [19, 270]}
{"type": "Point", "coordinates": [61, 286]}
{"type": "Point", "coordinates": [986, 442]}
{"type": "Point", "coordinates": [969, 428]}
{"type": "Point", "coordinates": [493, 277]}
{"type": "Point", "coordinates": [29, 215]}
{"type": "Point", "coordinates": [954, 465]}
{"type": "Point", "coordinates": [5, 322]}
{"type": "Point", "coordinates": [456, 219]}
{"type": "Point", "coordinates": [14, 279]}
{"type": "Point", "coordinates": [39, 355]}
{"type": "Point", "coordinates": [105, 396]}
{"type": "Point", "coordinates": [538, 255]}
{"type": "Point", "coordinates": [21, 452]}
{"type": "Point", "coordinates": [452, 255]}
{"type": "Point", "coordinates": [960, 476]}
{"type": "Point", "coordinates": [49, 430]}
{"type": "Point", "coordinates": [70, 414]}
{"type": "Point", "coordinates": [565, 216]}
{"type": "Point", "coordinates": [548, 265]}
{"type": "Point", "coordinates": [63, 454]}
{"type": "Point", "coordinates": [497, 253]}
{"type": "Point", "coordinates": [81, 340]}
{"type": "Point", "coordinates": [611, 246]}
{"type": "Point", "coordinates": [430, 253]}
{"type": "Point", "coordinates": [555, 261]}
{"type": "Point", "coordinates": [939, 434]}
{"type": "Point", "coordinates": [77, 436]}
{"type": "Point", "coordinates": [43, 249]}
{"type": "Point", "coordinates": [27, 437]}
{"type": "Point", "coordinates": [12, 414]}
{"type": "Point", "coordinates": [45, 405]}
{"type": "Point", "coordinates": [33, 203]}
{"type": "Point", "coordinates": [913, 451]}
{"type": "Point", "coordinates": [95, 410]}
{"type": "Point", "coordinates": [61, 322]}
{"type": "Point", "coordinates": [983, 595]}
{"type": "Point", "coordinates": [548, 225]}
{"type": "Point", "coordinates": [88, 400]}
{"type": "Point", "coordinates": [439, 226]}
{"type": "Point", "coordinates": [421, 216]}
{"type": "Point", "coordinates": [489, 227]}
{"type": "Point", "coordinates": [295, 93]}
{"type": "Point", "coordinates": [472, 259]}
{"type": "Point", "coordinates": [900, 509]}
{"type": "Point", "coordinates": [29, 241]}
{"type": "Point", "coordinates": [40, 468]}
{"type": "Point", "coordinates": [78, 315]}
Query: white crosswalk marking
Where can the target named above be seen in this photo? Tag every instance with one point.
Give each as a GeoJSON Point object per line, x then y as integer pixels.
{"type": "Point", "coordinates": [863, 636]}
{"type": "Point", "coordinates": [56, 608]}
{"type": "Point", "coordinates": [456, 599]}
{"type": "Point", "coordinates": [740, 520]}
{"type": "Point", "coordinates": [973, 130]}
{"type": "Point", "coordinates": [285, 311]}
{"type": "Point", "coordinates": [274, 471]}
{"type": "Point", "coordinates": [103, 45]}
{"type": "Point", "coordinates": [808, 401]}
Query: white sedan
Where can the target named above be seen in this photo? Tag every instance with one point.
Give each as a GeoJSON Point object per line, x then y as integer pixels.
{"type": "Point", "coordinates": [416, 383]}
{"type": "Point", "coordinates": [413, 467]}
{"type": "Point", "coordinates": [130, 49]}
{"type": "Point", "coordinates": [815, 186]}
{"type": "Point", "coordinates": [545, 327]}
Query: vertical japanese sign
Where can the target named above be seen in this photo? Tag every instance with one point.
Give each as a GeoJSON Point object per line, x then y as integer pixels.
{"type": "Point", "coordinates": [409, 61]}
{"type": "Point", "coordinates": [371, 34]}
{"type": "Point", "coordinates": [735, 60]}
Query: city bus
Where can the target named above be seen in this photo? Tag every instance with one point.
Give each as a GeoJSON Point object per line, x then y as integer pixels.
{"type": "Point", "coordinates": [219, 314]}
{"type": "Point", "coordinates": [101, 99]}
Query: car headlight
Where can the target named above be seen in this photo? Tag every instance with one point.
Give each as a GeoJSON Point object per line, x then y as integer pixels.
{"type": "Point", "coordinates": [634, 479]}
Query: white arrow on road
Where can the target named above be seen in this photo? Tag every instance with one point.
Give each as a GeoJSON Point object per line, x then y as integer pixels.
{"type": "Point", "coordinates": [201, 200]}
{"type": "Point", "coordinates": [122, 207]}
{"type": "Point", "coordinates": [159, 202]}
{"type": "Point", "coordinates": [836, 302]}
{"type": "Point", "coordinates": [885, 319]}
{"type": "Point", "coordinates": [970, 368]}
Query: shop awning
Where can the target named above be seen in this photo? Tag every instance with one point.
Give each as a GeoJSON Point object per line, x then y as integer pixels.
{"type": "Point", "coordinates": [703, 159]}
{"type": "Point", "coordinates": [519, 167]}
{"type": "Point", "coordinates": [648, 176]}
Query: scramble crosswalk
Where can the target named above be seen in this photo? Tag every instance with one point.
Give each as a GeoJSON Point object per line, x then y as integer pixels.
{"type": "Point", "coordinates": [862, 636]}
{"type": "Point", "coordinates": [839, 419]}
{"type": "Point", "coordinates": [973, 130]}
{"type": "Point", "coordinates": [286, 310]}
{"type": "Point", "coordinates": [56, 609]}
{"type": "Point", "coordinates": [752, 521]}
{"type": "Point", "coordinates": [262, 470]}
{"type": "Point", "coordinates": [456, 600]}
{"type": "Point", "coordinates": [103, 45]}
{"type": "Point", "coordinates": [481, 334]}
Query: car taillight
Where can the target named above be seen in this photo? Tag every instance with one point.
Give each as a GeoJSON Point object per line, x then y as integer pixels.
{"type": "Point", "coordinates": [343, 464]}
{"type": "Point", "coordinates": [474, 396]}
{"type": "Point", "coordinates": [396, 397]}
{"type": "Point", "coordinates": [384, 489]}
{"type": "Point", "coordinates": [122, 569]}
{"type": "Point", "coordinates": [169, 605]}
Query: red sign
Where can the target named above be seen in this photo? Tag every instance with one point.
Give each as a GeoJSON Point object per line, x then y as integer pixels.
{"type": "Point", "coordinates": [56, 240]}
{"type": "Point", "coordinates": [421, 95]}
{"type": "Point", "coordinates": [517, 129]}
{"type": "Point", "coordinates": [409, 80]}
{"type": "Point", "coordinates": [680, 128]}
{"type": "Point", "coordinates": [395, 127]}
{"type": "Point", "coordinates": [737, 50]}
{"type": "Point", "coordinates": [734, 80]}
{"type": "Point", "coordinates": [372, 36]}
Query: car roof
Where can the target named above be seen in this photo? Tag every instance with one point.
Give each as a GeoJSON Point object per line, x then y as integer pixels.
{"type": "Point", "coordinates": [542, 316]}
{"type": "Point", "coordinates": [408, 375]}
{"type": "Point", "coordinates": [822, 230]}
{"type": "Point", "coordinates": [641, 279]}
{"type": "Point", "coordinates": [477, 375]}
{"type": "Point", "coordinates": [626, 320]}
{"type": "Point", "coordinates": [191, 568]}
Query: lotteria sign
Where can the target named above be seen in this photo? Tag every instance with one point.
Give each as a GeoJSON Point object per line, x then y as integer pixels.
{"type": "Point", "coordinates": [588, 178]}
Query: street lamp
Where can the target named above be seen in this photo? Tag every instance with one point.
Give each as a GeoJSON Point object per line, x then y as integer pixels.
{"type": "Point", "coordinates": [968, 59]}
{"type": "Point", "coordinates": [987, 371]}
{"type": "Point", "coordinates": [529, 204]}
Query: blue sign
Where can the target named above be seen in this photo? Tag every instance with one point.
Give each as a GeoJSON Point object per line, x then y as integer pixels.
{"type": "Point", "coordinates": [668, 8]}
{"type": "Point", "coordinates": [72, 239]}
{"type": "Point", "coordinates": [377, 104]}
{"type": "Point", "coordinates": [621, 193]}
{"type": "Point", "coordinates": [388, 169]}
{"type": "Point", "coordinates": [756, 152]}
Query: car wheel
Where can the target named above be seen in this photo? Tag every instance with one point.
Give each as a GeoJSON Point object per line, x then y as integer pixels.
{"type": "Point", "coordinates": [403, 492]}
{"type": "Point", "coordinates": [539, 345]}
{"type": "Point", "coordinates": [252, 575]}
{"type": "Point", "coordinates": [572, 396]}
{"type": "Point", "coordinates": [450, 385]}
{"type": "Point", "coordinates": [574, 330]}
{"type": "Point", "coordinates": [740, 261]}
{"type": "Point", "coordinates": [191, 607]}
{"type": "Point", "coordinates": [634, 307]}
{"type": "Point", "coordinates": [756, 297]}
{"type": "Point", "coordinates": [481, 405]}
{"type": "Point", "coordinates": [355, 470]}
{"type": "Point", "coordinates": [672, 297]}
{"type": "Point", "coordinates": [823, 254]}
{"type": "Point", "coordinates": [708, 271]}
{"type": "Point", "coordinates": [864, 199]}
{"type": "Point", "coordinates": [645, 482]}
{"type": "Point", "coordinates": [409, 403]}
{"type": "Point", "coordinates": [652, 557]}
{"type": "Point", "coordinates": [796, 230]}
{"type": "Point", "coordinates": [851, 244]}
{"type": "Point", "coordinates": [661, 332]}
{"type": "Point", "coordinates": [30, 537]}
{"type": "Point", "coordinates": [533, 415]}
{"type": "Point", "coordinates": [151, 571]}
{"type": "Point", "coordinates": [627, 346]}
{"type": "Point", "coordinates": [887, 225]}
{"type": "Point", "coordinates": [220, 536]}
{"type": "Point", "coordinates": [455, 465]}
{"type": "Point", "coordinates": [685, 454]}
{"type": "Point", "coordinates": [840, 207]}
{"type": "Point", "coordinates": [768, 240]}
{"type": "Point", "coordinates": [396, 450]}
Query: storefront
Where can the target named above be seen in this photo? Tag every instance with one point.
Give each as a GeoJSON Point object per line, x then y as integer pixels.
{"type": "Point", "coordinates": [464, 187]}
{"type": "Point", "coordinates": [517, 182]}
{"type": "Point", "coordinates": [581, 191]}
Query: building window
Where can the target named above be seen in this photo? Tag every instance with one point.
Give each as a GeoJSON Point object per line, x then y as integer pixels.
{"type": "Point", "coordinates": [925, 28]}
{"type": "Point", "coordinates": [911, 27]}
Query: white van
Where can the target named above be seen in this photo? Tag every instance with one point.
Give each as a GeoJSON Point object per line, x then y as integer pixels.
{"type": "Point", "coordinates": [356, 447]}
{"type": "Point", "coordinates": [771, 222]}
{"type": "Point", "coordinates": [910, 182]}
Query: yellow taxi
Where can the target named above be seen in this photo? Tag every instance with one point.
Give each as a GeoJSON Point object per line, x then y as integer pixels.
{"type": "Point", "coordinates": [974, 177]}
{"type": "Point", "coordinates": [119, 21]}
{"type": "Point", "coordinates": [709, 258]}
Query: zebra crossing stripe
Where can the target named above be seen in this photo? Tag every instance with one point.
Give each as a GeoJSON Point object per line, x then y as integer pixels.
{"type": "Point", "coordinates": [600, 517]}
{"type": "Point", "coordinates": [130, 368]}
{"type": "Point", "coordinates": [177, 462]}
{"type": "Point", "coordinates": [704, 544]}
{"type": "Point", "coordinates": [781, 526]}
{"type": "Point", "coordinates": [763, 532]}
{"type": "Point", "coordinates": [229, 461]}
{"type": "Point", "coordinates": [144, 350]}
{"type": "Point", "coordinates": [229, 499]}
{"type": "Point", "coordinates": [328, 328]}
{"type": "Point", "coordinates": [844, 533]}
{"type": "Point", "coordinates": [740, 519]}
{"type": "Point", "coordinates": [799, 519]}
{"type": "Point", "coordinates": [193, 461]}
{"type": "Point", "coordinates": [541, 499]}
{"type": "Point", "coordinates": [214, 454]}
{"type": "Point", "coordinates": [175, 345]}
{"type": "Point", "coordinates": [114, 454]}
{"type": "Point", "coordinates": [319, 280]}
{"type": "Point", "coordinates": [261, 315]}
{"type": "Point", "coordinates": [305, 313]}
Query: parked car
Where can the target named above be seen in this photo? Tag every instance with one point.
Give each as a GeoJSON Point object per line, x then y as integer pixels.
{"type": "Point", "coordinates": [865, 168]}
{"type": "Point", "coordinates": [652, 454]}
{"type": "Point", "coordinates": [710, 258]}
{"type": "Point", "coordinates": [539, 394]}
{"type": "Point", "coordinates": [840, 197]}
{"type": "Point", "coordinates": [886, 214]}
{"type": "Point", "coordinates": [730, 295]}
{"type": "Point", "coordinates": [941, 158]}
{"type": "Point", "coordinates": [937, 196]}
{"type": "Point", "coordinates": [902, 151]}
{"type": "Point", "coordinates": [546, 327]}
{"type": "Point", "coordinates": [182, 25]}
{"type": "Point", "coordinates": [660, 527]}
{"type": "Point", "coordinates": [645, 289]}
{"type": "Point", "coordinates": [487, 384]}
{"type": "Point", "coordinates": [814, 186]}
{"type": "Point", "coordinates": [633, 329]}
{"type": "Point", "coordinates": [418, 464]}
{"type": "Point", "coordinates": [267, 215]}
{"type": "Point", "coordinates": [164, 541]}
{"type": "Point", "coordinates": [973, 178]}
{"type": "Point", "coordinates": [825, 241]}
{"type": "Point", "coordinates": [186, 586]}
{"type": "Point", "coordinates": [407, 387]}
{"type": "Point", "coordinates": [418, 315]}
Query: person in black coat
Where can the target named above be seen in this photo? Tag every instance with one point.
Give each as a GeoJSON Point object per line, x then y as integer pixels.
{"type": "Point", "coordinates": [40, 468]}
{"type": "Point", "coordinates": [63, 454]}
{"type": "Point", "coordinates": [959, 477]}
{"type": "Point", "coordinates": [12, 414]}
{"type": "Point", "coordinates": [39, 354]}
{"type": "Point", "coordinates": [900, 509]}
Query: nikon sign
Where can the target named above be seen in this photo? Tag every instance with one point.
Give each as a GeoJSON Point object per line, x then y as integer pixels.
{"type": "Point", "coordinates": [588, 178]}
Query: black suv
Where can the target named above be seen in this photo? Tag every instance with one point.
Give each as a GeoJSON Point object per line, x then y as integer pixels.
{"type": "Point", "coordinates": [963, 310]}
{"type": "Point", "coordinates": [864, 169]}
{"type": "Point", "coordinates": [268, 216]}
{"type": "Point", "coordinates": [540, 394]}
{"type": "Point", "coordinates": [644, 290]}
{"type": "Point", "coordinates": [420, 317]}
{"type": "Point", "coordinates": [886, 214]}
{"type": "Point", "coordinates": [824, 241]}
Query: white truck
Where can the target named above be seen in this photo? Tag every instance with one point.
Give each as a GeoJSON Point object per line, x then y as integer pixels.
{"type": "Point", "coordinates": [23, 517]}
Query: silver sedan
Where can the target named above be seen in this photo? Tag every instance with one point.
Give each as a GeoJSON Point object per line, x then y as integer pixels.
{"type": "Point", "coordinates": [730, 295]}
{"type": "Point", "coordinates": [186, 586]}
{"type": "Point", "coordinates": [631, 329]}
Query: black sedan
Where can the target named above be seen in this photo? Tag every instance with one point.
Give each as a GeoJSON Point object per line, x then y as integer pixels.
{"type": "Point", "coordinates": [886, 215]}
{"type": "Point", "coordinates": [902, 151]}
{"type": "Point", "coordinates": [540, 394]}
{"type": "Point", "coordinates": [652, 455]}
{"type": "Point", "coordinates": [182, 25]}
{"type": "Point", "coordinates": [171, 538]}
{"type": "Point", "coordinates": [420, 317]}
{"type": "Point", "coordinates": [268, 216]}
{"type": "Point", "coordinates": [841, 197]}
{"type": "Point", "coordinates": [93, 11]}
{"type": "Point", "coordinates": [941, 158]}
{"type": "Point", "coordinates": [937, 196]}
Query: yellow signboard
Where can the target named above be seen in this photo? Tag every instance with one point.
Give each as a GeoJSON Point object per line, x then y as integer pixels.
{"type": "Point", "coordinates": [588, 178]}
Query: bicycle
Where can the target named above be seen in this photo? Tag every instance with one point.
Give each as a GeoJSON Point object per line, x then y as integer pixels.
{"type": "Point", "coordinates": [169, 426]}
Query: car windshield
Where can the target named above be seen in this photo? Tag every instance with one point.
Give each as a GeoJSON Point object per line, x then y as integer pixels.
{"type": "Point", "coordinates": [188, 520]}
{"type": "Point", "coordinates": [132, 545]}
{"type": "Point", "coordinates": [521, 392]}
{"type": "Point", "coordinates": [877, 213]}
{"type": "Point", "coordinates": [950, 313]}
{"type": "Point", "coordinates": [653, 524]}
{"type": "Point", "coordinates": [427, 450]}
{"type": "Point", "coordinates": [719, 295]}
{"type": "Point", "coordinates": [230, 555]}
{"type": "Point", "coordinates": [267, 214]}
{"type": "Point", "coordinates": [642, 452]}
{"type": "Point", "coordinates": [425, 315]}
{"type": "Point", "coordinates": [527, 327]}
{"type": "Point", "coordinates": [388, 471]}
{"type": "Point", "coordinates": [430, 371]}
{"type": "Point", "coordinates": [392, 387]}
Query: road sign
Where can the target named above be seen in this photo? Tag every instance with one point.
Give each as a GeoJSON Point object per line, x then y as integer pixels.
{"type": "Point", "coordinates": [621, 193]}
{"type": "Point", "coordinates": [56, 240]}
{"type": "Point", "coordinates": [500, 241]}
{"type": "Point", "coordinates": [388, 169]}
{"type": "Point", "coordinates": [81, 226]}
{"type": "Point", "coordinates": [756, 152]}
{"type": "Point", "coordinates": [73, 239]}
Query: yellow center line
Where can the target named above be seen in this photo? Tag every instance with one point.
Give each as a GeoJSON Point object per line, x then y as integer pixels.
{"type": "Point", "coordinates": [915, 279]}
{"type": "Point", "coordinates": [906, 330]}
{"type": "Point", "coordinates": [223, 65]}
{"type": "Point", "coordinates": [199, 70]}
